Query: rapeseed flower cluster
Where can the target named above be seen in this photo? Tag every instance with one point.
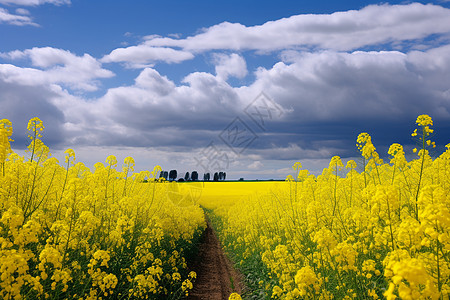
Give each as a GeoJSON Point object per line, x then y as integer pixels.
{"type": "Point", "coordinates": [67, 232]}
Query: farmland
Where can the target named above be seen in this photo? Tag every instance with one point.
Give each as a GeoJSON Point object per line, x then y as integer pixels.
{"type": "Point", "coordinates": [368, 230]}
{"type": "Point", "coordinates": [69, 233]}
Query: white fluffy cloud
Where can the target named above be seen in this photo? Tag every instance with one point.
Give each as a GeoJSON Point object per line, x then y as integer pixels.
{"type": "Point", "coordinates": [154, 101]}
{"type": "Point", "coordinates": [19, 20]}
{"type": "Point", "coordinates": [340, 31]}
{"type": "Point", "coordinates": [142, 56]}
{"type": "Point", "coordinates": [22, 11]}
{"type": "Point", "coordinates": [22, 18]}
{"type": "Point", "coordinates": [330, 86]}
{"type": "Point", "coordinates": [150, 80]}
{"type": "Point", "coordinates": [256, 165]}
{"type": "Point", "coordinates": [54, 66]}
{"type": "Point", "coordinates": [233, 65]}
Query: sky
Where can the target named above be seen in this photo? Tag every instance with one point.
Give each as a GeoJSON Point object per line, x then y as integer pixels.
{"type": "Point", "coordinates": [245, 87]}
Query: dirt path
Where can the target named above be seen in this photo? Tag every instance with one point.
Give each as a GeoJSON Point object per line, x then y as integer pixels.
{"type": "Point", "coordinates": [216, 277]}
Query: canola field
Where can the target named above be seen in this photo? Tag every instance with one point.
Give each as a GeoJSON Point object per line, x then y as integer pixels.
{"type": "Point", "coordinates": [372, 229]}
{"type": "Point", "coordinates": [376, 230]}
{"type": "Point", "coordinates": [69, 233]}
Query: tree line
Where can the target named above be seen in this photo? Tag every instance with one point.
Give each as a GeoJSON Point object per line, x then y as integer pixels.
{"type": "Point", "coordinates": [172, 175]}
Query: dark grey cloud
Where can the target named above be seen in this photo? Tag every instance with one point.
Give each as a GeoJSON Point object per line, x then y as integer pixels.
{"type": "Point", "coordinates": [21, 103]}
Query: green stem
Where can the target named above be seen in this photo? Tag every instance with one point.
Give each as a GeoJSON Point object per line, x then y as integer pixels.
{"type": "Point", "coordinates": [378, 173]}
{"type": "Point", "coordinates": [62, 192]}
{"type": "Point", "coordinates": [390, 222]}
{"type": "Point", "coordinates": [34, 143]}
{"type": "Point", "coordinates": [335, 194]}
{"type": "Point", "coordinates": [393, 173]}
{"type": "Point", "coordinates": [439, 282]}
{"type": "Point", "coordinates": [364, 172]}
{"type": "Point", "coordinates": [125, 184]}
{"type": "Point", "coordinates": [420, 175]}
{"type": "Point", "coordinates": [351, 187]}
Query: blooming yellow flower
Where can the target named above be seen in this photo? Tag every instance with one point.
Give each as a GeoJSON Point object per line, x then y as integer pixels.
{"type": "Point", "coordinates": [424, 120]}
{"type": "Point", "coordinates": [234, 296]}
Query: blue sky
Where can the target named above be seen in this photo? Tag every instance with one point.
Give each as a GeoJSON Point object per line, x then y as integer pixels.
{"type": "Point", "coordinates": [181, 84]}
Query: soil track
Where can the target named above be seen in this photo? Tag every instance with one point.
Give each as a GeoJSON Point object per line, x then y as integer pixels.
{"type": "Point", "coordinates": [216, 277]}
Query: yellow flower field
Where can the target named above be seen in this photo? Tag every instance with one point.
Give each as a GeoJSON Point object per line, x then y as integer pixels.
{"type": "Point", "coordinates": [380, 233]}
{"type": "Point", "coordinates": [69, 233]}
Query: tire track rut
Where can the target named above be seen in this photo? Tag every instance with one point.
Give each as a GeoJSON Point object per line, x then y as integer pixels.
{"type": "Point", "coordinates": [216, 277]}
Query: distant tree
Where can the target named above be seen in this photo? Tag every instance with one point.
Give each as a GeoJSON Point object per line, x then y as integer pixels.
{"type": "Point", "coordinates": [194, 176]}
{"type": "Point", "coordinates": [181, 180]}
{"type": "Point", "coordinates": [186, 176]}
{"type": "Point", "coordinates": [220, 176]}
{"type": "Point", "coordinates": [173, 175]}
{"type": "Point", "coordinates": [216, 176]}
{"type": "Point", "coordinates": [166, 174]}
{"type": "Point", "coordinates": [161, 175]}
{"type": "Point", "coordinates": [224, 176]}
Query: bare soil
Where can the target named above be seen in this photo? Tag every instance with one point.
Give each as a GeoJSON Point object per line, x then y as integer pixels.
{"type": "Point", "coordinates": [216, 277]}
